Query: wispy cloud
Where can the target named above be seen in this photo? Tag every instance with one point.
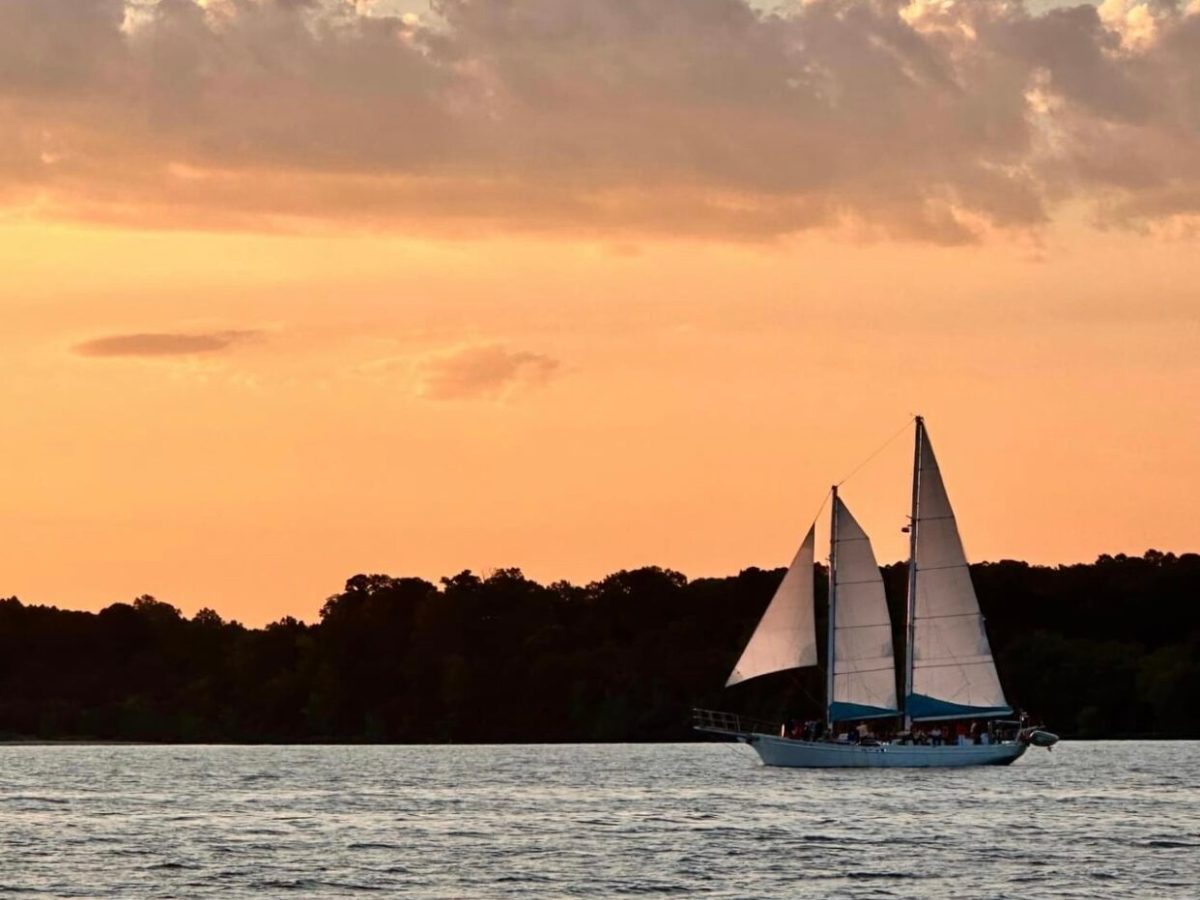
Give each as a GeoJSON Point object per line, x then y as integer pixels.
{"type": "Point", "coordinates": [482, 371]}
{"type": "Point", "coordinates": [157, 344]}
{"type": "Point", "coordinates": [918, 119]}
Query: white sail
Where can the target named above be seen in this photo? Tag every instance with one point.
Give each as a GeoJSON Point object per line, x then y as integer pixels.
{"type": "Point", "coordinates": [786, 636]}
{"type": "Point", "coordinates": [864, 668]}
{"type": "Point", "coordinates": [953, 671]}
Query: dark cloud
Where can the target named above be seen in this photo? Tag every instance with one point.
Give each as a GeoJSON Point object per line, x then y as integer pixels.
{"type": "Point", "coordinates": [482, 371]}
{"type": "Point", "coordinates": [923, 119]}
{"type": "Point", "coordinates": [158, 344]}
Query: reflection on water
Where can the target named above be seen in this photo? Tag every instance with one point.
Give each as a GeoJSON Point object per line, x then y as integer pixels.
{"type": "Point", "coordinates": [1088, 820]}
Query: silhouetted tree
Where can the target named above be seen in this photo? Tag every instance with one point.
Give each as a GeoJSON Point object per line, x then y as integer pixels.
{"type": "Point", "coordinates": [1107, 649]}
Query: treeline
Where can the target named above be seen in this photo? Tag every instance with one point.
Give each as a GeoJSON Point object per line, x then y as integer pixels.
{"type": "Point", "coordinates": [1109, 649]}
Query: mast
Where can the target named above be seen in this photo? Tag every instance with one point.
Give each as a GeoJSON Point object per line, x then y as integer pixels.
{"type": "Point", "coordinates": [832, 629]}
{"type": "Point", "coordinates": [910, 613]}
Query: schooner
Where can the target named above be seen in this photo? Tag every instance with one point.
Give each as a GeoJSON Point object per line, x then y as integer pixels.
{"type": "Point", "coordinates": [949, 674]}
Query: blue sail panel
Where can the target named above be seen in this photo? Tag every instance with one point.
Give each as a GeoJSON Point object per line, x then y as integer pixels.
{"type": "Point", "coordinates": [918, 706]}
{"type": "Point", "coordinates": [841, 712]}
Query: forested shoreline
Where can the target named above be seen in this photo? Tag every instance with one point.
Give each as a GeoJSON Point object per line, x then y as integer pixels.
{"type": "Point", "coordinates": [1108, 649]}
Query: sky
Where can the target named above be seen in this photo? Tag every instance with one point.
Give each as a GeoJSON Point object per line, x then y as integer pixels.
{"type": "Point", "coordinates": [297, 289]}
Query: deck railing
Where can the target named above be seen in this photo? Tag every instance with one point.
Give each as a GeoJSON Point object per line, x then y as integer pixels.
{"type": "Point", "coordinates": [717, 722]}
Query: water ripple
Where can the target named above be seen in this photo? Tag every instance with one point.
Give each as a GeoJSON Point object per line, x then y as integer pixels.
{"type": "Point", "coordinates": [1094, 820]}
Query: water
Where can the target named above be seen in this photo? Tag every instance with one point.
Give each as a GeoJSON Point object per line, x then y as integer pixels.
{"type": "Point", "coordinates": [1088, 820]}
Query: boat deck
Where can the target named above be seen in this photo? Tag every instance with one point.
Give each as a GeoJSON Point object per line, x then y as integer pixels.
{"type": "Point", "coordinates": [775, 750]}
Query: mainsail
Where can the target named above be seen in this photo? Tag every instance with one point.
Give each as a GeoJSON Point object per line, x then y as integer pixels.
{"type": "Point", "coordinates": [864, 669]}
{"type": "Point", "coordinates": [786, 636]}
{"type": "Point", "coordinates": [953, 674]}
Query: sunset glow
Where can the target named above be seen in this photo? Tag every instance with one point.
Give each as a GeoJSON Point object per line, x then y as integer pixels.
{"type": "Point", "coordinates": [297, 290]}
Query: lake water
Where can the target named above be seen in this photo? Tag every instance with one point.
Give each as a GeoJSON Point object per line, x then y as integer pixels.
{"type": "Point", "coordinates": [1088, 820]}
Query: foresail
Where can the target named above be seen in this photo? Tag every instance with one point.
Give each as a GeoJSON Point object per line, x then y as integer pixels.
{"type": "Point", "coordinates": [953, 672]}
{"type": "Point", "coordinates": [864, 669]}
{"type": "Point", "coordinates": [786, 636]}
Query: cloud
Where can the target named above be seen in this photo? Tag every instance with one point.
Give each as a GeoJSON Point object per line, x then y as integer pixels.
{"type": "Point", "coordinates": [163, 344]}
{"type": "Point", "coordinates": [483, 371]}
{"type": "Point", "coordinates": [916, 119]}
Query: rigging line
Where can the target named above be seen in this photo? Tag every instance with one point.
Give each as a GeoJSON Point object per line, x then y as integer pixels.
{"type": "Point", "coordinates": [869, 671]}
{"type": "Point", "coordinates": [962, 565]}
{"type": "Point", "coordinates": [821, 508]}
{"type": "Point", "coordinates": [959, 663]}
{"type": "Point", "coordinates": [862, 465]}
{"type": "Point", "coordinates": [808, 695]}
{"type": "Point", "coordinates": [733, 748]}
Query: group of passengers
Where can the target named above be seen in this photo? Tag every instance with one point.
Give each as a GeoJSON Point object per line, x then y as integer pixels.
{"type": "Point", "coordinates": [960, 733]}
{"type": "Point", "coordinates": [807, 730]}
{"type": "Point", "coordinates": [938, 734]}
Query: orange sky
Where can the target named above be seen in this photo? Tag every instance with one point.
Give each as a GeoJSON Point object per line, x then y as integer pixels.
{"type": "Point", "coordinates": [237, 371]}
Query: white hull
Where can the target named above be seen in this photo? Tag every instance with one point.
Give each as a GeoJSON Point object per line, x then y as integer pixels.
{"type": "Point", "coordinates": [777, 751]}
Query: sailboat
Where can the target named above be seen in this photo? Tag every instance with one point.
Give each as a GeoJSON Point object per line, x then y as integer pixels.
{"type": "Point", "coordinates": [949, 675]}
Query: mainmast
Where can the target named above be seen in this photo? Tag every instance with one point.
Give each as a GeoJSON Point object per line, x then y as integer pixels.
{"type": "Point", "coordinates": [910, 614]}
{"type": "Point", "coordinates": [832, 627]}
